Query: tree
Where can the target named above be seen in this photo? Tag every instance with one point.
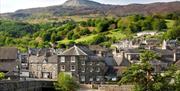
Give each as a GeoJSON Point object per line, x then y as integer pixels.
{"type": "Point", "coordinates": [66, 83]}
{"type": "Point", "coordinates": [148, 56]}
{"type": "Point", "coordinates": [102, 26]}
{"type": "Point", "coordinates": [159, 24]}
{"type": "Point", "coordinates": [2, 75]}
{"type": "Point", "coordinates": [173, 33]}
{"type": "Point", "coordinates": [53, 37]}
{"type": "Point", "coordinates": [140, 74]}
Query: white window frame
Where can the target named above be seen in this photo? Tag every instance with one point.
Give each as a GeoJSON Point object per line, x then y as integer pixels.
{"type": "Point", "coordinates": [73, 59]}
{"type": "Point", "coordinates": [98, 78]}
{"type": "Point", "coordinates": [91, 69]}
{"type": "Point", "coordinates": [72, 67]}
{"type": "Point", "coordinates": [90, 63]}
{"type": "Point", "coordinates": [83, 69]}
{"type": "Point", "coordinates": [91, 79]}
{"type": "Point", "coordinates": [63, 59]}
{"type": "Point", "coordinates": [83, 78]}
{"type": "Point", "coordinates": [62, 68]}
{"type": "Point", "coordinates": [98, 69]}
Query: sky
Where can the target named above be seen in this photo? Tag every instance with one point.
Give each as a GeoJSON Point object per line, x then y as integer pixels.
{"type": "Point", "coordinates": [13, 5]}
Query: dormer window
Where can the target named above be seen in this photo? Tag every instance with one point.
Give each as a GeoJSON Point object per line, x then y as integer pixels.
{"type": "Point", "coordinates": [73, 59]}
{"type": "Point", "coordinates": [62, 59]}
{"type": "Point", "coordinates": [45, 61]}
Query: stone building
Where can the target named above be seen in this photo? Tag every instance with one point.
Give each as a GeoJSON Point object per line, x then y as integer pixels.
{"type": "Point", "coordinates": [83, 64]}
{"type": "Point", "coordinates": [43, 64]}
{"type": "Point", "coordinates": [9, 63]}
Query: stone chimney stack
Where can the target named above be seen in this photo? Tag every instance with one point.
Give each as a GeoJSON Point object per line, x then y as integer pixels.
{"type": "Point", "coordinates": [174, 56]}
{"type": "Point", "coordinates": [164, 45]}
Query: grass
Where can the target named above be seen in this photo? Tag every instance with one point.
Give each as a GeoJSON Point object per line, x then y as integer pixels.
{"type": "Point", "coordinates": [117, 34]}
{"type": "Point", "coordinates": [86, 38]}
{"type": "Point", "coordinates": [170, 23]}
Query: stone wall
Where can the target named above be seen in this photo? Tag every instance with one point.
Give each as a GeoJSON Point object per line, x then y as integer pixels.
{"type": "Point", "coordinates": [115, 88]}
{"type": "Point", "coordinates": [26, 86]}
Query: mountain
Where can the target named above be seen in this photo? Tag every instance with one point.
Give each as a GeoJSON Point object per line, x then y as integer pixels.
{"type": "Point", "coordinates": [81, 3]}
{"type": "Point", "coordinates": [87, 7]}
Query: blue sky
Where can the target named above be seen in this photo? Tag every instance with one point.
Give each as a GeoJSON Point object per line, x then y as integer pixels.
{"type": "Point", "coordinates": [13, 5]}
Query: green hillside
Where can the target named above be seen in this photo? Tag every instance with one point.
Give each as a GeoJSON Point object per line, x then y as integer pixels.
{"type": "Point", "coordinates": [103, 31]}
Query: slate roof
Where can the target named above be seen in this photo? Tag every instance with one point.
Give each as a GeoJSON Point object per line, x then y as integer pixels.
{"type": "Point", "coordinates": [75, 51]}
{"type": "Point", "coordinates": [121, 61]}
{"type": "Point", "coordinates": [41, 59]}
{"type": "Point", "coordinates": [8, 53]}
{"type": "Point", "coordinates": [97, 47]}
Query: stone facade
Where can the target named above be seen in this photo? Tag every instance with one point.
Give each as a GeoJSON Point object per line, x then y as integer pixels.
{"type": "Point", "coordinates": [82, 64]}
{"type": "Point", "coordinates": [9, 62]}
{"type": "Point", "coordinates": [43, 65]}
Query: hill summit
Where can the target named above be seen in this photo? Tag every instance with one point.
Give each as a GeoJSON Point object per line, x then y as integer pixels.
{"type": "Point", "coordinates": [81, 3]}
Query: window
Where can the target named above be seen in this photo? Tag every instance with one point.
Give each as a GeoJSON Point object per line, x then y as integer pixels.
{"type": "Point", "coordinates": [83, 62]}
{"type": "Point", "coordinates": [98, 70]}
{"type": "Point", "coordinates": [72, 68]}
{"type": "Point", "coordinates": [98, 78]}
{"type": "Point", "coordinates": [90, 63]}
{"type": "Point", "coordinates": [91, 79]}
{"type": "Point", "coordinates": [82, 58]}
{"type": "Point", "coordinates": [62, 67]}
{"type": "Point", "coordinates": [83, 69]}
{"type": "Point", "coordinates": [98, 63]}
{"type": "Point", "coordinates": [62, 59]}
{"type": "Point", "coordinates": [82, 78]}
{"type": "Point", "coordinates": [91, 69]}
{"type": "Point", "coordinates": [73, 59]}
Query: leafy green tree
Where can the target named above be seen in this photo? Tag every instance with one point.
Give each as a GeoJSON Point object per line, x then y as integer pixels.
{"type": "Point", "coordinates": [70, 34]}
{"type": "Point", "coordinates": [140, 74]}
{"type": "Point", "coordinates": [53, 37]}
{"type": "Point", "coordinates": [102, 26]}
{"type": "Point", "coordinates": [2, 75]}
{"type": "Point", "coordinates": [75, 36]}
{"type": "Point", "coordinates": [84, 31]}
{"type": "Point", "coordinates": [66, 83]}
{"type": "Point", "coordinates": [159, 24]}
{"type": "Point", "coordinates": [147, 56]}
{"type": "Point", "coordinates": [173, 33]}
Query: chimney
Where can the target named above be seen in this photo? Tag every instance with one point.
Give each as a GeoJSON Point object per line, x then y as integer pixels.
{"type": "Point", "coordinates": [164, 45]}
{"type": "Point", "coordinates": [38, 53]}
{"type": "Point", "coordinates": [174, 56]}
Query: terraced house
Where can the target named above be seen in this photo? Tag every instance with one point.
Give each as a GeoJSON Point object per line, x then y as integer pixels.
{"type": "Point", "coordinates": [42, 64]}
{"type": "Point", "coordinates": [9, 62]}
{"type": "Point", "coordinates": [83, 64]}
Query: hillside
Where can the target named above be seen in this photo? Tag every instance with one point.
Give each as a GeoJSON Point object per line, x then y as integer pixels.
{"type": "Point", "coordinates": [86, 7]}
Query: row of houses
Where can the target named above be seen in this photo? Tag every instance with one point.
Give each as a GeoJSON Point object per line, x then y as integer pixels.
{"type": "Point", "coordinates": [87, 64]}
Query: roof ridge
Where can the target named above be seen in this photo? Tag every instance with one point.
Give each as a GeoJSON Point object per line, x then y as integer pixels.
{"type": "Point", "coordinates": [77, 52]}
{"type": "Point", "coordinates": [80, 50]}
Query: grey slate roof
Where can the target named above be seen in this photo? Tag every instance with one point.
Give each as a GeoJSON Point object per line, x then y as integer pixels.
{"type": "Point", "coordinates": [121, 61]}
{"type": "Point", "coordinates": [97, 47]}
{"type": "Point", "coordinates": [41, 59]}
{"type": "Point", "coordinates": [8, 53]}
{"type": "Point", "coordinates": [74, 51]}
